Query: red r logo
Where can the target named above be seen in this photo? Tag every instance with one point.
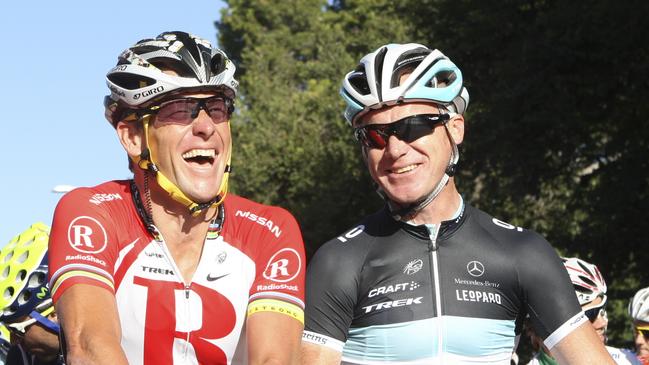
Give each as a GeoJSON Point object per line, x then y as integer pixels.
{"type": "Point", "coordinates": [87, 235]}
{"type": "Point", "coordinates": [218, 316]}
{"type": "Point", "coordinates": [284, 266]}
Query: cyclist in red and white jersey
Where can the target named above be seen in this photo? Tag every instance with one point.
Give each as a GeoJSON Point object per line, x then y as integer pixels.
{"type": "Point", "coordinates": [165, 268]}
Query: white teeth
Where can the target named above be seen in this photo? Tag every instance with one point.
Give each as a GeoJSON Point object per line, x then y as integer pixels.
{"type": "Point", "coordinates": [404, 169]}
{"type": "Point", "coordinates": [199, 153]}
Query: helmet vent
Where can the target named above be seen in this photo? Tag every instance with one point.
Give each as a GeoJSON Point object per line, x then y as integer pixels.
{"type": "Point", "coordinates": [36, 279]}
{"type": "Point", "coordinates": [24, 297]}
{"type": "Point", "coordinates": [217, 65]}
{"type": "Point", "coordinates": [22, 258]}
{"type": "Point", "coordinates": [406, 63]}
{"type": "Point", "coordinates": [190, 45]}
{"type": "Point", "coordinates": [358, 80]}
{"type": "Point", "coordinates": [8, 293]}
{"type": "Point", "coordinates": [174, 65]}
{"type": "Point", "coordinates": [22, 274]}
{"type": "Point", "coordinates": [131, 81]}
{"type": "Point", "coordinates": [5, 273]}
{"type": "Point", "coordinates": [442, 79]}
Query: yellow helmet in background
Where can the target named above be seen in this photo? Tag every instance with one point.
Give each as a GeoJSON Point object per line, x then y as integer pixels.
{"type": "Point", "coordinates": [23, 273]}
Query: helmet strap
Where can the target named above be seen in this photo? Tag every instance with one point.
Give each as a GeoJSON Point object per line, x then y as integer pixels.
{"type": "Point", "coordinates": [146, 162]}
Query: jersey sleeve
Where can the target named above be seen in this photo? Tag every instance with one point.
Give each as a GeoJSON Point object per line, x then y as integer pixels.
{"type": "Point", "coordinates": [549, 295]}
{"type": "Point", "coordinates": [81, 248]}
{"type": "Point", "coordinates": [280, 264]}
{"type": "Point", "coordinates": [331, 295]}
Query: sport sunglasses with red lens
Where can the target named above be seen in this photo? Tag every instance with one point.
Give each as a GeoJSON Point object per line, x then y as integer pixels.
{"type": "Point", "coordinates": [185, 110]}
{"type": "Point", "coordinates": [407, 129]}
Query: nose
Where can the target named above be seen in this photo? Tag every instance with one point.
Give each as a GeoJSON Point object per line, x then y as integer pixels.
{"type": "Point", "coordinates": [202, 124]}
{"type": "Point", "coordinates": [600, 323]}
{"type": "Point", "coordinates": [395, 147]}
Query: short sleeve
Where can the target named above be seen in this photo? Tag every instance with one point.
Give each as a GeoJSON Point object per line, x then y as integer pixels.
{"type": "Point", "coordinates": [331, 295]}
{"type": "Point", "coordinates": [82, 245]}
{"type": "Point", "coordinates": [549, 295]}
{"type": "Point", "coordinates": [280, 259]}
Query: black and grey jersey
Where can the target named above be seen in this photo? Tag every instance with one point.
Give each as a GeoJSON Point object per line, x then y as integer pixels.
{"type": "Point", "coordinates": [458, 292]}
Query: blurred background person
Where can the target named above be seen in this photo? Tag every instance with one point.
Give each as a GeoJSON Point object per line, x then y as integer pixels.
{"type": "Point", "coordinates": [639, 313]}
{"type": "Point", "coordinates": [27, 310]}
{"type": "Point", "coordinates": [590, 288]}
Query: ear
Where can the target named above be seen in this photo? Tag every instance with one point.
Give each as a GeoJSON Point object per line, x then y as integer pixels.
{"type": "Point", "coordinates": [130, 136]}
{"type": "Point", "coordinates": [456, 128]}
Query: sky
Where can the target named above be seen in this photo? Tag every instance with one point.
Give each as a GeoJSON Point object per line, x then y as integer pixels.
{"type": "Point", "coordinates": [53, 60]}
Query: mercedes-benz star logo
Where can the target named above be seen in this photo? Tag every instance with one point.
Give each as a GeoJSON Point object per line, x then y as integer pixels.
{"type": "Point", "coordinates": [475, 268]}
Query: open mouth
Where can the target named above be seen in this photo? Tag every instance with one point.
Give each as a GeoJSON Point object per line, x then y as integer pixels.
{"type": "Point", "coordinates": [200, 156]}
{"type": "Point", "coordinates": [403, 170]}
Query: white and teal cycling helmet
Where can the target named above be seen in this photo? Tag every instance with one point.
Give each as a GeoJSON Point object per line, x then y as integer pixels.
{"type": "Point", "coordinates": [586, 279]}
{"type": "Point", "coordinates": [376, 81]}
{"type": "Point", "coordinates": [639, 306]}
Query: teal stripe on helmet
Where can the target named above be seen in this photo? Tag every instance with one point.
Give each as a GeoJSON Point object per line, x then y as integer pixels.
{"type": "Point", "coordinates": [441, 94]}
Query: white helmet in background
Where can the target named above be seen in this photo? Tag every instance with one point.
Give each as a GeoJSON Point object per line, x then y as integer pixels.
{"type": "Point", "coordinates": [639, 306]}
{"type": "Point", "coordinates": [586, 279]}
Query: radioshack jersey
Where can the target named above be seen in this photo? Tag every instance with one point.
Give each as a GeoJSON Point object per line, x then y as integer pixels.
{"type": "Point", "coordinates": [255, 263]}
{"type": "Point", "coordinates": [387, 292]}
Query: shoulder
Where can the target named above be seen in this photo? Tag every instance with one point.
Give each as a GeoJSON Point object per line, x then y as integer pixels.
{"type": "Point", "coordinates": [241, 209]}
{"type": "Point", "coordinates": [514, 237]}
{"type": "Point", "coordinates": [111, 191]}
{"type": "Point", "coordinates": [351, 247]}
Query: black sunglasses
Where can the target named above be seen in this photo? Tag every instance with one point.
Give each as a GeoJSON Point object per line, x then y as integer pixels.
{"type": "Point", "coordinates": [185, 110]}
{"type": "Point", "coordinates": [594, 312]}
{"type": "Point", "coordinates": [407, 129]}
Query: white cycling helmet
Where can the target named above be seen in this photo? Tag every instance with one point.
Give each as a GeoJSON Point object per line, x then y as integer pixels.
{"type": "Point", "coordinates": [586, 279]}
{"type": "Point", "coordinates": [639, 306]}
{"type": "Point", "coordinates": [376, 81]}
{"type": "Point", "coordinates": [138, 78]}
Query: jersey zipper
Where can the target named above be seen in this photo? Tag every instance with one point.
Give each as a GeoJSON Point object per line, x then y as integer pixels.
{"type": "Point", "coordinates": [187, 287]}
{"type": "Point", "coordinates": [433, 231]}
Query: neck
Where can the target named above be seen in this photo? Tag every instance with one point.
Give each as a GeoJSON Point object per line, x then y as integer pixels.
{"type": "Point", "coordinates": [168, 214]}
{"type": "Point", "coordinates": [442, 208]}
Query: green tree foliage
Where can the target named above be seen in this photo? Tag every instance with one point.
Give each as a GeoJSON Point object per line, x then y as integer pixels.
{"type": "Point", "coordinates": [557, 134]}
{"type": "Point", "coordinates": [292, 147]}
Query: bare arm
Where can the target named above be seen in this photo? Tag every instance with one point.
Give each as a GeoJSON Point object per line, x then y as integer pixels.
{"type": "Point", "coordinates": [319, 355]}
{"type": "Point", "coordinates": [273, 339]}
{"type": "Point", "coordinates": [89, 319]}
{"type": "Point", "coordinates": [581, 346]}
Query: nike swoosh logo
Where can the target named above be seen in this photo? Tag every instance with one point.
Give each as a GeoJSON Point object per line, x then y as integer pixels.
{"type": "Point", "coordinates": [213, 278]}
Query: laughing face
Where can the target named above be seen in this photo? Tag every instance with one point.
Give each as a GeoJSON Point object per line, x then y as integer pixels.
{"type": "Point", "coordinates": [192, 156]}
{"type": "Point", "coordinates": [407, 172]}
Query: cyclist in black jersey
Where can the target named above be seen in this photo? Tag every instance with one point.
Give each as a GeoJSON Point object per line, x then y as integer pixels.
{"type": "Point", "coordinates": [25, 304]}
{"type": "Point", "coordinates": [430, 279]}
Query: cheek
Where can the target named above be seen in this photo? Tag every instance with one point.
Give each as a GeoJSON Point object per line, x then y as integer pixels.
{"type": "Point", "coordinates": [373, 160]}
